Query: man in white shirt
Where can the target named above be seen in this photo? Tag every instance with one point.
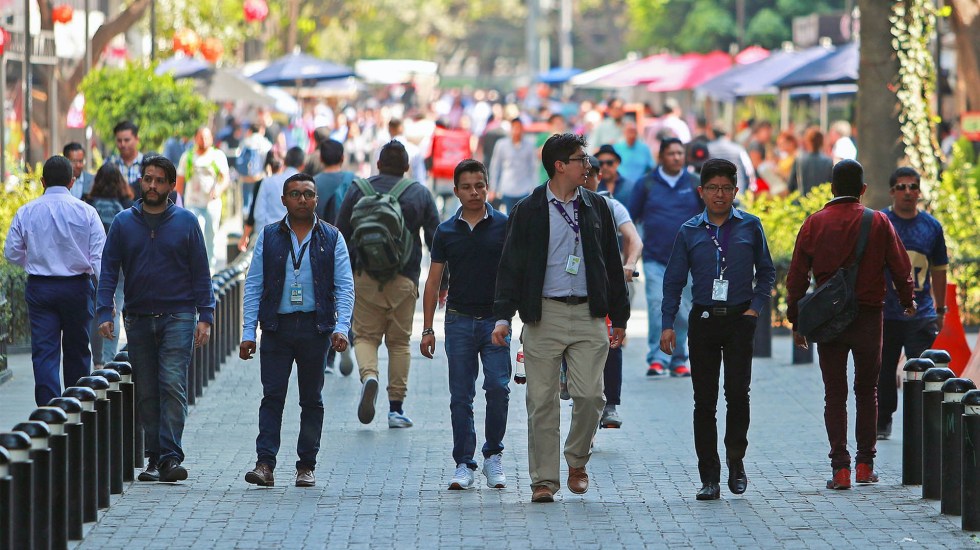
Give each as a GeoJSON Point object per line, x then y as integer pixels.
{"type": "Point", "coordinates": [268, 204]}
{"type": "Point", "coordinates": [58, 240]}
{"type": "Point", "coordinates": [416, 160]}
{"type": "Point", "coordinates": [841, 145]}
{"type": "Point", "coordinates": [202, 177]}
{"type": "Point", "coordinates": [514, 167]}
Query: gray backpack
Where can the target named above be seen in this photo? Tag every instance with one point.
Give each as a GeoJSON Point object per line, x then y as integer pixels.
{"type": "Point", "coordinates": [380, 239]}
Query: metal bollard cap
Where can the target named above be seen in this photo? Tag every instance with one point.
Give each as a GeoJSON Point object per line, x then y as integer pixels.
{"type": "Point", "coordinates": [18, 445]}
{"type": "Point", "coordinates": [938, 356]}
{"type": "Point", "coordinates": [4, 463]}
{"type": "Point", "coordinates": [54, 417]}
{"type": "Point", "coordinates": [971, 403]}
{"type": "Point", "coordinates": [39, 432]}
{"type": "Point", "coordinates": [915, 367]}
{"type": "Point", "coordinates": [954, 388]}
{"type": "Point", "coordinates": [97, 383]}
{"type": "Point", "coordinates": [111, 376]}
{"type": "Point", "coordinates": [121, 356]}
{"type": "Point", "coordinates": [935, 377]}
{"type": "Point", "coordinates": [122, 367]}
{"type": "Point", "coordinates": [85, 396]}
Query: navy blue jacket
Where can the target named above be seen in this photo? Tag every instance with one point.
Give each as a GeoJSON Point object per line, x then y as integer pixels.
{"type": "Point", "coordinates": [662, 210]}
{"type": "Point", "coordinates": [166, 269]}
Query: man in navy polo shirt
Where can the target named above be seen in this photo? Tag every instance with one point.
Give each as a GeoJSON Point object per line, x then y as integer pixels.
{"type": "Point", "coordinates": [471, 243]}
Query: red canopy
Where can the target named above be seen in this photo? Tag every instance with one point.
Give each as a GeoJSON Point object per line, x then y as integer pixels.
{"type": "Point", "coordinates": [687, 71]}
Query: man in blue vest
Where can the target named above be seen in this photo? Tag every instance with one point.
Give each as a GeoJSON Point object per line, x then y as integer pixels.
{"type": "Point", "coordinates": [302, 310]}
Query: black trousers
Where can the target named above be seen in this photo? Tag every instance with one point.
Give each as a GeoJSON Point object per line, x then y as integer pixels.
{"type": "Point", "coordinates": [710, 340]}
{"type": "Point", "coordinates": [916, 336]}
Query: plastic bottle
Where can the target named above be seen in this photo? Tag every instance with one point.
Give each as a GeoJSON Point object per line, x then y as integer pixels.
{"type": "Point", "coordinates": [519, 376]}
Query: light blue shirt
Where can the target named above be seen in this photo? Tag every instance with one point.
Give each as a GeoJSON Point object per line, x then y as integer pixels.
{"type": "Point", "coordinates": [343, 285]}
{"type": "Point", "coordinates": [637, 159]}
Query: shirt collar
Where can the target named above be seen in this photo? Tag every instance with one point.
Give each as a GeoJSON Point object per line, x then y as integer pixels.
{"type": "Point", "coordinates": [549, 195]}
{"type": "Point", "coordinates": [703, 216]}
{"type": "Point", "coordinates": [57, 190]}
{"type": "Point", "coordinates": [486, 212]}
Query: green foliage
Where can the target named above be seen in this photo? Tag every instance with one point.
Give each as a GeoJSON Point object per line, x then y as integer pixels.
{"type": "Point", "coordinates": [708, 23]}
{"type": "Point", "coordinates": [23, 188]}
{"type": "Point", "coordinates": [767, 27]}
{"type": "Point", "coordinates": [160, 106]}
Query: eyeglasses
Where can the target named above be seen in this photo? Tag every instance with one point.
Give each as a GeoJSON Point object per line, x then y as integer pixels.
{"type": "Point", "coordinates": [714, 189]}
{"type": "Point", "coordinates": [583, 160]}
{"type": "Point", "coordinates": [904, 186]}
{"type": "Point", "coordinates": [308, 195]}
{"type": "Point", "coordinates": [606, 162]}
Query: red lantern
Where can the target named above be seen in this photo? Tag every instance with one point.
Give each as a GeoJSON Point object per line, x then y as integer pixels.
{"type": "Point", "coordinates": [62, 13]}
{"type": "Point", "coordinates": [4, 40]}
{"type": "Point", "coordinates": [255, 10]}
{"type": "Point", "coordinates": [186, 41]}
{"type": "Point", "coordinates": [212, 49]}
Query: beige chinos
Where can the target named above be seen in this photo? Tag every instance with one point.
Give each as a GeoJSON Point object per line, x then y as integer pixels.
{"type": "Point", "coordinates": [384, 313]}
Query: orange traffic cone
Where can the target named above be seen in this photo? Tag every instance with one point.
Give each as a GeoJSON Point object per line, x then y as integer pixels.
{"type": "Point", "coordinates": [953, 338]}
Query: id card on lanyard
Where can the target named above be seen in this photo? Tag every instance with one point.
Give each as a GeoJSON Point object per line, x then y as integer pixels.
{"type": "Point", "coordinates": [574, 261]}
{"type": "Point", "coordinates": [296, 289]}
{"type": "Point", "coordinates": [719, 287]}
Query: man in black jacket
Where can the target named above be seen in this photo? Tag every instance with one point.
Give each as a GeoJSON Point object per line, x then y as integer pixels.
{"type": "Point", "coordinates": [561, 269]}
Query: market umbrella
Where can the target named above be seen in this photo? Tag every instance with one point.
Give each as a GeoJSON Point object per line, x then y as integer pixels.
{"type": "Point", "coordinates": [229, 85]}
{"type": "Point", "coordinates": [298, 69]}
{"type": "Point", "coordinates": [182, 66]}
{"type": "Point", "coordinates": [838, 67]}
{"type": "Point", "coordinates": [558, 75]}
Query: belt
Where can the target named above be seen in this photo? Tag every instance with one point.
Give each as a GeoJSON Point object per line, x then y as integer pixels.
{"type": "Point", "coordinates": [721, 311]}
{"type": "Point", "coordinates": [60, 277]}
{"type": "Point", "coordinates": [570, 300]}
{"type": "Point", "coordinates": [461, 314]}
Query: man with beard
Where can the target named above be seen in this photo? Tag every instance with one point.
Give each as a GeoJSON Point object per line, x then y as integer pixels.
{"type": "Point", "coordinates": [169, 309]}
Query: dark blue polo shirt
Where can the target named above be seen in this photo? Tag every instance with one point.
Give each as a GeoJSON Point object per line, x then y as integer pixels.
{"type": "Point", "coordinates": [471, 257]}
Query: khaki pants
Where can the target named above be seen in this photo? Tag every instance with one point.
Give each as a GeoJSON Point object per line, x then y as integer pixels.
{"type": "Point", "coordinates": [568, 331]}
{"type": "Point", "coordinates": [386, 313]}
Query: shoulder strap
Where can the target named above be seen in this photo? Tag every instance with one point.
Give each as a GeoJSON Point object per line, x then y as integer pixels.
{"type": "Point", "coordinates": [365, 186]}
{"type": "Point", "coordinates": [863, 236]}
{"type": "Point", "coordinates": [400, 188]}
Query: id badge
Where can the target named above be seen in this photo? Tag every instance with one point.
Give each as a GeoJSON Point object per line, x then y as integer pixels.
{"type": "Point", "coordinates": [719, 290]}
{"type": "Point", "coordinates": [571, 266]}
{"type": "Point", "coordinates": [296, 294]}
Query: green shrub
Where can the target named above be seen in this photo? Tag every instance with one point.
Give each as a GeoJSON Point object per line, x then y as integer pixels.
{"type": "Point", "coordinates": [23, 187]}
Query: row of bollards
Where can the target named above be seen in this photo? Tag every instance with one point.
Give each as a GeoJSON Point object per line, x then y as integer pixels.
{"type": "Point", "coordinates": [941, 436]}
{"type": "Point", "coordinates": [60, 468]}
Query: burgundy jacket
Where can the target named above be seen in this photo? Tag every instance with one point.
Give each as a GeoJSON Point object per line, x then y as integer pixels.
{"type": "Point", "coordinates": [827, 242]}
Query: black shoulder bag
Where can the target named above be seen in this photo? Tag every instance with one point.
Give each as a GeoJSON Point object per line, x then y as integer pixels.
{"type": "Point", "coordinates": [825, 313]}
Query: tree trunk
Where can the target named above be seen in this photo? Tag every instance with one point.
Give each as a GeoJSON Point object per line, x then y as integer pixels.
{"type": "Point", "coordinates": [965, 19]}
{"type": "Point", "coordinates": [293, 7]}
{"type": "Point", "coordinates": [879, 139]}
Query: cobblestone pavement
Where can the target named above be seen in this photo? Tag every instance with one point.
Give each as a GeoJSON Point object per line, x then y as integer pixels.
{"type": "Point", "coordinates": [380, 487]}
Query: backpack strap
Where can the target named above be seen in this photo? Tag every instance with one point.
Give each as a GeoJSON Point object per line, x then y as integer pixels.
{"type": "Point", "coordinates": [365, 186]}
{"type": "Point", "coordinates": [400, 188]}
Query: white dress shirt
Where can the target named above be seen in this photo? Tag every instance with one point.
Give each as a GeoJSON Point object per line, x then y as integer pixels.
{"type": "Point", "coordinates": [268, 204]}
{"type": "Point", "coordinates": [56, 235]}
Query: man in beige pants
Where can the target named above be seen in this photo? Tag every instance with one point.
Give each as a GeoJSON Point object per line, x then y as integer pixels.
{"type": "Point", "coordinates": [562, 271]}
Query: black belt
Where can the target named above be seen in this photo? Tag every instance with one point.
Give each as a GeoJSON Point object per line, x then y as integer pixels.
{"type": "Point", "coordinates": [59, 277]}
{"type": "Point", "coordinates": [461, 314]}
{"type": "Point", "coordinates": [570, 300]}
{"type": "Point", "coordinates": [721, 311]}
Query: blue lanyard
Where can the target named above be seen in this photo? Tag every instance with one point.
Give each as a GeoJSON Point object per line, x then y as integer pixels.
{"type": "Point", "coordinates": [722, 246]}
{"type": "Point", "coordinates": [568, 219]}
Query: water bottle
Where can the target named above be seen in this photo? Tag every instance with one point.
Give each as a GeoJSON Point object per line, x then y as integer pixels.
{"type": "Point", "coordinates": [519, 376]}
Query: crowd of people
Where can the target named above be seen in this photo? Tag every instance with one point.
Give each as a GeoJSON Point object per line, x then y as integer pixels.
{"type": "Point", "coordinates": [542, 214]}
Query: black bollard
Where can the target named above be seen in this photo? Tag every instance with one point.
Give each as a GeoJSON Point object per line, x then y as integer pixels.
{"type": "Point", "coordinates": [5, 503]}
{"type": "Point", "coordinates": [137, 448]}
{"type": "Point", "coordinates": [932, 429]}
{"type": "Point", "coordinates": [912, 420]}
{"type": "Point", "coordinates": [940, 357]}
{"type": "Point", "coordinates": [128, 391]}
{"type": "Point", "coordinates": [971, 461]}
{"type": "Point", "coordinates": [115, 428]}
{"type": "Point", "coordinates": [103, 410]}
{"type": "Point", "coordinates": [122, 356]}
{"type": "Point", "coordinates": [18, 444]}
{"type": "Point", "coordinates": [200, 372]}
{"type": "Point", "coordinates": [41, 457]}
{"type": "Point", "coordinates": [90, 451]}
{"type": "Point", "coordinates": [74, 460]}
{"type": "Point", "coordinates": [952, 466]}
{"type": "Point", "coordinates": [56, 419]}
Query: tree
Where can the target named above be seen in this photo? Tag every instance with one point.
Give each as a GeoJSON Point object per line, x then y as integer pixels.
{"type": "Point", "coordinates": [965, 18]}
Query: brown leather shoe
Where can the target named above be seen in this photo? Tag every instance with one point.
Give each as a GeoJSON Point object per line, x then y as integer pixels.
{"type": "Point", "coordinates": [261, 475]}
{"type": "Point", "coordinates": [304, 477]}
{"type": "Point", "coordinates": [578, 480]}
{"type": "Point", "coordinates": [542, 493]}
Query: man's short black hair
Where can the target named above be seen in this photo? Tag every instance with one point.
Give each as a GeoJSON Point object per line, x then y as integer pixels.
{"type": "Point", "coordinates": [295, 158]}
{"type": "Point", "coordinates": [162, 163]}
{"type": "Point", "coordinates": [126, 125]}
{"type": "Point", "coordinates": [903, 172]}
{"type": "Point", "coordinates": [719, 167]}
{"type": "Point", "coordinates": [301, 176]}
{"type": "Point", "coordinates": [57, 172]}
{"type": "Point", "coordinates": [517, 120]}
{"type": "Point", "coordinates": [560, 147]}
{"type": "Point", "coordinates": [71, 147]}
{"type": "Point", "coordinates": [667, 142]}
{"type": "Point", "coordinates": [393, 159]}
{"type": "Point", "coordinates": [331, 152]}
{"type": "Point", "coordinates": [470, 165]}
{"type": "Point", "coordinates": [848, 178]}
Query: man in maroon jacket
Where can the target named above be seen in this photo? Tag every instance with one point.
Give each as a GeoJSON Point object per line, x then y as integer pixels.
{"type": "Point", "coordinates": [827, 242]}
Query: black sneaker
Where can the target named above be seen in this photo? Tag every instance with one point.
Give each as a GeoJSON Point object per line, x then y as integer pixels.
{"type": "Point", "coordinates": [171, 471]}
{"type": "Point", "coordinates": [150, 473]}
{"type": "Point", "coordinates": [885, 432]}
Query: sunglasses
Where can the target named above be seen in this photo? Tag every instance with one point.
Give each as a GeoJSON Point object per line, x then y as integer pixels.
{"type": "Point", "coordinates": [606, 162]}
{"type": "Point", "coordinates": [909, 186]}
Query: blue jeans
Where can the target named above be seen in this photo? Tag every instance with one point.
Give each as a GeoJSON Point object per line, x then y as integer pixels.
{"type": "Point", "coordinates": [110, 347]}
{"type": "Point", "coordinates": [653, 272]}
{"type": "Point", "coordinates": [468, 339]}
{"type": "Point", "coordinates": [297, 339]}
{"type": "Point", "coordinates": [160, 349]}
{"type": "Point", "coordinates": [209, 225]}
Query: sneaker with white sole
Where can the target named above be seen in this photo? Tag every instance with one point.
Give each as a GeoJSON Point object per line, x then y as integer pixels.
{"type": "Point", "coordinates": [399, 420]}
{"type": "Point", "coordinates": [610, 418]}
{"type": "Point", "coordinates": [462, 478]}
{"type": "Point", "coordinates": [493, 469]}
{"type": "Point", "coordinates": [365, 405]}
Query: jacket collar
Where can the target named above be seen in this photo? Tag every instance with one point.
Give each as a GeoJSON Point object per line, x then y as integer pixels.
{"type": "Point", "coordinates": [539, 197]}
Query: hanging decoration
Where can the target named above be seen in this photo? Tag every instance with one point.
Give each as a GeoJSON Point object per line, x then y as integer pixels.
{"type": "Point", "coordinates": [255, 10]}
{"type": "Point", "coordinates": [212, 49]}
{"type": "Point", "coordinates": [62, 13]}
{"type": "Point", "coordinates": [186, 41]}
{"type": "Point", "coordinates": [4, 40]}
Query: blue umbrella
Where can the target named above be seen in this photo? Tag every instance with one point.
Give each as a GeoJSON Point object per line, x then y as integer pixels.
{"type": "Point", "coordinates": [184, 67]}
{"type": "Point", "coordinates": [299, 69]}
{"type": "Point", "coordinates": [759, 78]}
{"type": "Point", "coordinates": [839, 67]}
{"type": "Point", "coordinates": [558, 75]}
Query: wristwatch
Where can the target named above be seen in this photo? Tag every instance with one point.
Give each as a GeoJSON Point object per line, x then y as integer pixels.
{"type": "Point", "coordinates": [427, 331]}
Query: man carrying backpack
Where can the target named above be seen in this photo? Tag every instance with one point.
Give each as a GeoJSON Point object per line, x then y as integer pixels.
{"type": "Point", "coordinates": [380, 218]}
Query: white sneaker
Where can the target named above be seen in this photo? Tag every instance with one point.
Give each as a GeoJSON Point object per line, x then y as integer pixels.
{"type": "Point", "coordinates": [399, 420]}
{"type": "Point", "coordinates": [462, 478]}
{"type": "Point", "coordinates": [493, 469]}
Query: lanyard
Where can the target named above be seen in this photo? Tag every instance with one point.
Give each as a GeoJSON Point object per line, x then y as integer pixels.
{"type": "Point", "coordinates": [568, 219]}
{"type": "Point", "coordinates": [722, 245]}
{"type": "Point", "coordinates": [299, 262]}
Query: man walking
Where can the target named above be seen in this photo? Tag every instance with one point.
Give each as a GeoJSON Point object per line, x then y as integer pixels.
{"type": "Point", "coordinates": [128, 158]}
{"type": "Point", "coordinates": [723, 249]}
{"type": "Point", "coordinates": [470, 243]}
{"type": "Point", "coordinates": [561, 269]}
{"type": "Point", "coordinates": [202, 178]}
{"type": "Point", "coordinates": [827, 242]}
{"type": "Point", "coordinates": [384, 303]}
{"type": "Point", "coordinates": [58, 240]}
{"type": "Point", "coordinates": [268, 204]}
{"type": "Point", "coordinates": [636, 156]}
{"type": "Point", "coordinates": [923, 238]}
{"type": "Point", "coordinates": [75, 154]}
{"type": "Point", "coordinates": [661, 202]}
{"type": "Point", "coordinates": [514, 165]}
{"type": "Point", "coordinates": [169, 309]}
{"type": "Point", "coordinates": [303, 311]}
{"type": "Point", "coordinates": [611, 180]}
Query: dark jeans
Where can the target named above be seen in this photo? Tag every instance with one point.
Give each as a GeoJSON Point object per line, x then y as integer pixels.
{"type": "Point", "coordinates": [916, 336]}
{"type": "Point", "coordinates": [160, 350]}
{"type": "Point", "coordinates": [862, 339]}
{"type": "Point", "coordinates": [510, 201]}
{"type": "Point", "coordinates": [297, 339]}
{"type": "Point", "coordinates": [612, 376]}
{"type": "Point", "coordinates": [709, 341]}
{"type": "Point", "coordinates": [468, 342]}
{"type": "Point", "coordinates": [59, 310]}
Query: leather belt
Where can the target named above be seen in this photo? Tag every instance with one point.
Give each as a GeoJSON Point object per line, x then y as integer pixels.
{"type": "Point", "coordinates": [721, 311]}
{"type": "Point", "coordinates": [570, 300]}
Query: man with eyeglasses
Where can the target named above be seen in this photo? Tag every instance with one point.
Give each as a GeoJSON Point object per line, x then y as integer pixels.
{"type": "Point", "coordinates": [923, 238]}
{"type": "Point", "coordinates": [301, 289]}
{"type": "Point", "coordinates": [725, 252]}
{"type": "Point", "coordinates": [561, 269]}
